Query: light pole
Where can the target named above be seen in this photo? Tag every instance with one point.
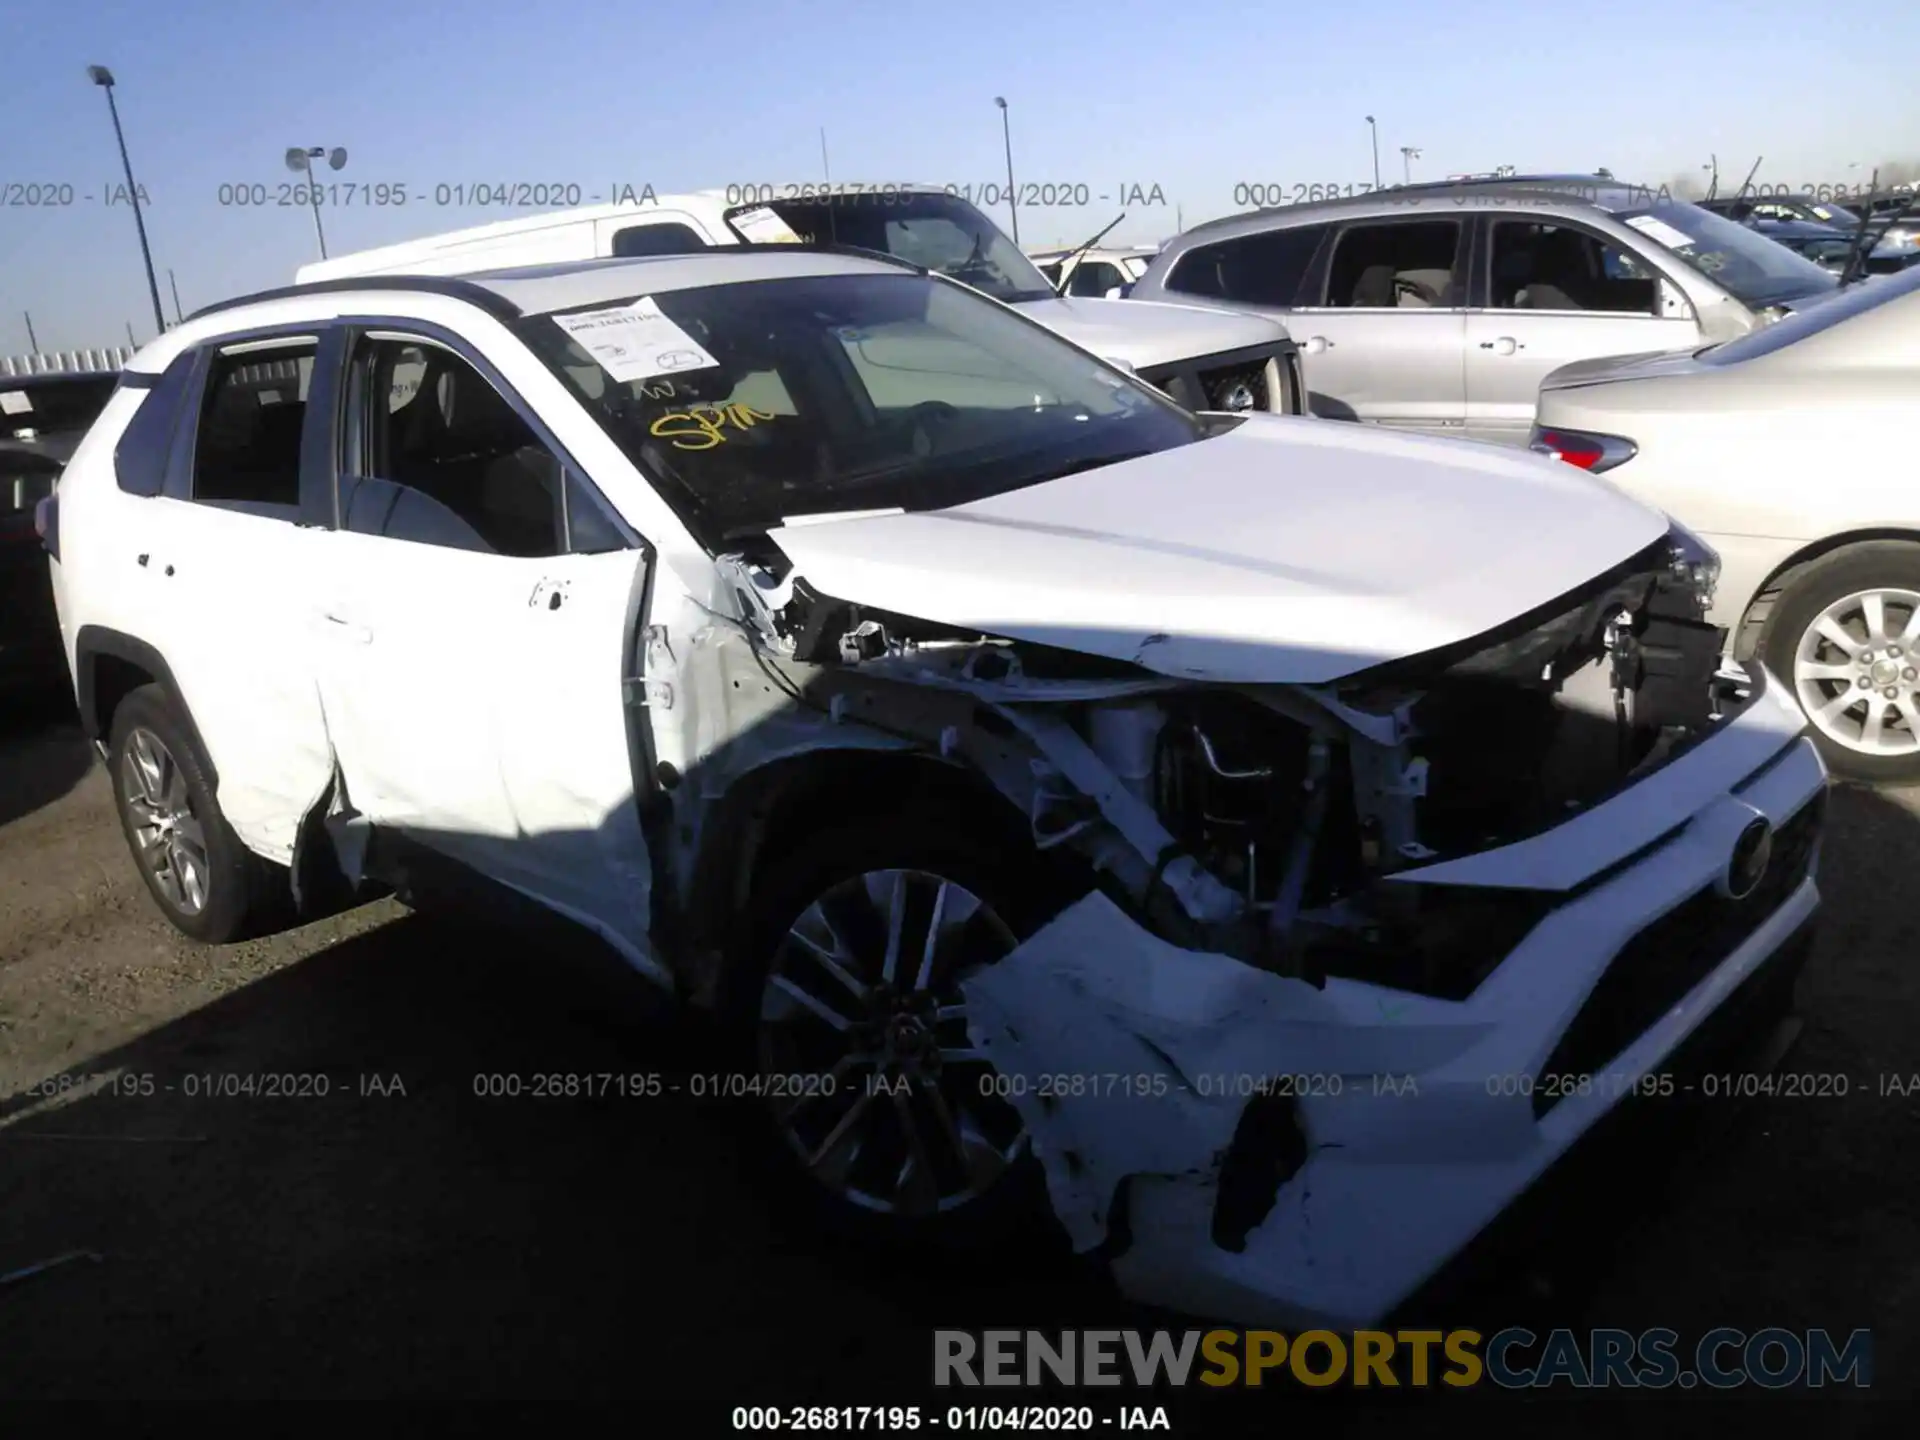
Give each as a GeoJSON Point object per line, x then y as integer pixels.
{"type": "Point", "coordinates": [1006, 131]}
{"type": "Point", "coordinates": [1376, 151]}
{"type": "Point", "coordinates": [1408, 154]}
{"type": "Point", "coordinates": [103, 77]}
{"type": "Point", "coordinates": [302, 160]}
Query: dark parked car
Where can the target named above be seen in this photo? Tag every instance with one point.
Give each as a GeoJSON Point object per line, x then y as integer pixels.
{"type": "Point", "coordinates": [1825, 245]}
{"type": "Point", "coordinates": [1893, 242]}
{"type": "Point", "coordinates": [42, 420]}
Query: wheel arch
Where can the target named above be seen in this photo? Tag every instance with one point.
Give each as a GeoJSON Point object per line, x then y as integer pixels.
{"type": "Point", "coordinates": [108, 666]}
{"type": "Point", "coordinates": [1760, 605]}
{"type": "Point", "coordinates": [774, 807]}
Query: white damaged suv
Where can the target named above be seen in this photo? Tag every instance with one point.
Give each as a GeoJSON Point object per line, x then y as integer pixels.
{"type": "Point", "coordinates": [1050, 783]}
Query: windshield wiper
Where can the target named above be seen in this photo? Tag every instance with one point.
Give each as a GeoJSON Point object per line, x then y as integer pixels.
{"type": "Point", "coordinates": [1075, 254]}
{"type": "Point", "coordinates": [1857, 258]}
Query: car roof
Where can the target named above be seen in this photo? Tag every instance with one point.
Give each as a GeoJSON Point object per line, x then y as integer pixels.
{"type": "Point", "coordinates": [709, 202]}
{"type": "Point", "coordinates": [540, 289]}
{"type": "Point", "coordinates": [52, 378]}
{"type": "Point", "coordinates": [1591, 191]}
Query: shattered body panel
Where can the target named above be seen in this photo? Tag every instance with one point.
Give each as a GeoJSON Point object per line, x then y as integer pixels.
{"type": "Point", "coordinates": [1268, 905]}
{"type": "Point", "coordinates": [1410, 1142]}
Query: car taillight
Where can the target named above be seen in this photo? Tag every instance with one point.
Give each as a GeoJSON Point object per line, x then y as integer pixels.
{"type": "Point", "coordinates": [1593, 453]}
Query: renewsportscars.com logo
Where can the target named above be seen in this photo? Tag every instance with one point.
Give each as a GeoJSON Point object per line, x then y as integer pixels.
{"type": "Point", "coordinates": [1514, 1358]}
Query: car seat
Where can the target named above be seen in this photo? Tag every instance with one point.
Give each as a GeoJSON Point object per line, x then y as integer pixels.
{"type": "Point", "coordinates": [1374, 290]}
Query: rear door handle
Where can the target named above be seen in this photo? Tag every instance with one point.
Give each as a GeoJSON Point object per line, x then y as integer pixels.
{"type": "Point", "coordinates": [1505, 345]}
{"type": "Point", "coordinates": [346, 629]}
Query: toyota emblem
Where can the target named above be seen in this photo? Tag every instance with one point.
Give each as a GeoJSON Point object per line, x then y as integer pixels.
{"type": "Point", "coordinates": [1752, 852]}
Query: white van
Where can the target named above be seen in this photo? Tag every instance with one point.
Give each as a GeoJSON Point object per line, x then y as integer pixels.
{"type": "Point", "coordinates": [1206, 358]}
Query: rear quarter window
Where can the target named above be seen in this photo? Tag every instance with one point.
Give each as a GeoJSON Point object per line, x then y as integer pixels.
{"type": "Point", "coordinates": [140, 459]}
{"type": "Point", "coordinates": [1267, 268]}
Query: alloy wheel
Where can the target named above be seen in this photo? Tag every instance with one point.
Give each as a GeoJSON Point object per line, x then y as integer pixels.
{"type": "Point", "coordinates": [863, 1034]}
{"type": "Point", "coordinates": [169, 840]}
{"type": "Point", "coordinates": [1855, 668]}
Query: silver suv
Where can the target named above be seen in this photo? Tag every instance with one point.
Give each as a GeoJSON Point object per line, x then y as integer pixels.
{"type": "Point", "coordinates": [1442, 307]}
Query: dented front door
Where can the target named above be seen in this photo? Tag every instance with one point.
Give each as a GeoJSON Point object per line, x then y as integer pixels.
{"type": "Point", "coordinates": [475, 703]}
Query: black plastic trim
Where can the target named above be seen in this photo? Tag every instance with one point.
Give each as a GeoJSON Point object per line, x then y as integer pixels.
{"type": "Point", "coordinates": [95, 641]}
{"type": "Point", "coordinates": [450, 286]}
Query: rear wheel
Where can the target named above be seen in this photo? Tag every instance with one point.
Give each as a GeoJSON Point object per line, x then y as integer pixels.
{"type": "Point", "coordinates": [1845, 636]}
{"type": "Point", "coordinates": [205, 881]}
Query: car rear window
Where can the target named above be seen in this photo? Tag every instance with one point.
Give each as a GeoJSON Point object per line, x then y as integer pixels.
{"type": "Point", "coordinates": [1261, 269]}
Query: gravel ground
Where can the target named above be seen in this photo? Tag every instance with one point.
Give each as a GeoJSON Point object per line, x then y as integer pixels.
{"type": "Point", "coordinates": [401, 1244]}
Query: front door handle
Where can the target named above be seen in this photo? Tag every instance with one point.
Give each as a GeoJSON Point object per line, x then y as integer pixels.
{"type": "Point", "coordinates": [1317, 343]}
{"type": "Point", "coordinates": [338, 624]}
{"type": "Point", "coordinates": [1505, 345]}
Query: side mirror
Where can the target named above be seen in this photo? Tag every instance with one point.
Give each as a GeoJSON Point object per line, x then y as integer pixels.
{"type": "Point", "coordinates": [1115, 292]}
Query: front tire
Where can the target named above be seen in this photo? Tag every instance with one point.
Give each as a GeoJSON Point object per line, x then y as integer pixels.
{"type": "Point", "coordinates": [1843, 637]}
{"type": "Point", "coordinates": [851, 971]}
{"type": "Point", "coordinates": [208, 884]}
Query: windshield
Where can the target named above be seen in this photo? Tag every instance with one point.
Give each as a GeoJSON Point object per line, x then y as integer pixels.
{"type": "Point", "coordinates": [825, 394]}
{"type": "Point", "coordinates": [1828, 213]}
{"type": "Point", "coordinates": [1792, 329]}
{"type": "Point", "coordinates": [923, 227]}
{"type": "Point", "coordinates": [1755, 270]}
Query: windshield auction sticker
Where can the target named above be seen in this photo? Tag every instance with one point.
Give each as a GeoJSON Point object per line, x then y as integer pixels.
{"type": "Point", "coordinates": [1659, 230]}
{"type": "Point", "coordinates": [635, 342]}
{"type": "Point", "coordinates": [762, 226]}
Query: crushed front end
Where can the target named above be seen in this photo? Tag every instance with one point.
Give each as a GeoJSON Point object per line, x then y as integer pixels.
{"type": "Point", "coordinates": [1355, 963]}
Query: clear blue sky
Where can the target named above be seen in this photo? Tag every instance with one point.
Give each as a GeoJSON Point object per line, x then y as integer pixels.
{"type": "Point", "coordinates": [1195, 96]}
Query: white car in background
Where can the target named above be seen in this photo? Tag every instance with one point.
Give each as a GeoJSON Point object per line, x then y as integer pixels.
{"type": "Point", "coordinates": [1207, 358]}
{"type": "Point", "coordinates": [1106, 271]}
{"type": "Point", "coordinates": [1784, 449]}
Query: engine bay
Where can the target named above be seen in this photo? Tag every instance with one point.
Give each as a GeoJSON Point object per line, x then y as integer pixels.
{"type": "Point", "coordinates": [1275, 822]}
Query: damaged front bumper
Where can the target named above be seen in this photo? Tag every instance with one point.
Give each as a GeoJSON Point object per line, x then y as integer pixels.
{"type": "Point", "coordinates": [1245, 1146]}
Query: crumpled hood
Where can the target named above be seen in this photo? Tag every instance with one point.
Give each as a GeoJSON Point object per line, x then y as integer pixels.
{"type": "Point", "coordinates": [1146, 333]}
{"type": "Point", "coordinates": [1288, 550]}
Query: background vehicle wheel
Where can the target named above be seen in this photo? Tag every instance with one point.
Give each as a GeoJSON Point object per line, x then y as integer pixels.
{"type": "Point", "coordinates": [1843, 638]}
{"type": "Point", "coordinates": [852, 971]}
{"type": "Point", "coordinates": [205, 881]}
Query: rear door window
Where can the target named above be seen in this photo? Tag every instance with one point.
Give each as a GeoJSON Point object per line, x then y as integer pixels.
{"type": "Point", "coordinates": [1396, 264]}
{"type": "Point", "coordinates": [247, 447]}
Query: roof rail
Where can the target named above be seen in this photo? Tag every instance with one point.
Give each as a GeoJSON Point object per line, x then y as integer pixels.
{"type": "Point", "coordinates": [456, 287]}
{"type": "Point", "coordinates": [451, 286]}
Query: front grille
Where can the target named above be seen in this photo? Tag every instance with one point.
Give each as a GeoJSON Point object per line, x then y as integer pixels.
{"type": "Point", "coordinates": [1656, 969]}
{"type": "Point", "coordinates": [1207, 382]}
{"type": "Point", "coordinates": [1221, 385]}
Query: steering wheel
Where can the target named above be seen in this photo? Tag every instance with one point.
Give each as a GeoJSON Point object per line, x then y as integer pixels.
{"type": "Point", "coordinates": [920, 421]}
{"type": "Point", "coordinates": [1417, 288]}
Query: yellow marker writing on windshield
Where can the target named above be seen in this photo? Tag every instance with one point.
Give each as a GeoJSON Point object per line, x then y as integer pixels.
{"type": "Point", "coordinates": [704, 426]}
